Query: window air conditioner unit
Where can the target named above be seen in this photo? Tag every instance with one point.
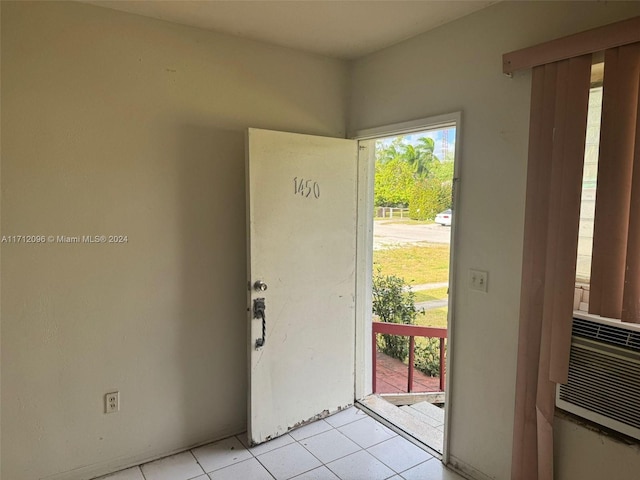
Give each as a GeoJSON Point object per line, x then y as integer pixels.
{"type": "Point", "coordinates": [604, 374]}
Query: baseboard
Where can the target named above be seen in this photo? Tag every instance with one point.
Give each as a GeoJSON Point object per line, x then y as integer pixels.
{"type": "Point", "coordinates": [466, 470]}
{"type": "Point", "coordinates": [107, 467]}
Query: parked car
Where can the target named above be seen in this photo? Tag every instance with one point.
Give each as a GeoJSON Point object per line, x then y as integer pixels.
{"type": "Point", "coordinates": [444, 218]}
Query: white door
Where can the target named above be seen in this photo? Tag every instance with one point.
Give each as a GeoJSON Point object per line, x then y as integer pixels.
{"type": "Point", "coordinates": [301, 211]}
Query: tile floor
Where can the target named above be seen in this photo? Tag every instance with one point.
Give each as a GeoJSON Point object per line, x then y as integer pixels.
{"type": "Point", "coordinates": [349, 445]}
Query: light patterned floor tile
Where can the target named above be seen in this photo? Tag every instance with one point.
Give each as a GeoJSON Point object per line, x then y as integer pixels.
{"type": "Point", "coordinates": [330, 446]}
{"type": "Point", "coordinates": [221, 454]}
{"type": "Point", "coordinates": [182, 466]}
{"type": "Point", "coordinates": [360, 466]}
{"type": "Point", "coordinates": [399, 454]}
{"type": "Point", "coordinates": [349, 415]}
{"type": "Point", "coordinates": [288, 461]}
{"type": "Point", "coordinates": [310, 430]}
{"type": "Point", "coordinates": [430, 470]}
{"type": "Point", "coordinates": [249, 469]}
{"type": "Point", "coordinates": [267, 446]}
{"type": "Point", "coordinates": [128, 474]}
{"type": "Point", "coordinates": [321, 473]}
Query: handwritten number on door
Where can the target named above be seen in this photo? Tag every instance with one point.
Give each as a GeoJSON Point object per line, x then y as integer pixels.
{"type": "Point", "coordinates": [306, 188]}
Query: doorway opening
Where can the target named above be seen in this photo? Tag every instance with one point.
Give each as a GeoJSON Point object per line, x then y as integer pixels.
{"type": "Point", "coordinates": [413, 172]}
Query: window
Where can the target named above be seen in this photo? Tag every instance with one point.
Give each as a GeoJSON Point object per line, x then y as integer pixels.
{"type": "Point", "coordinates": [589, 183]}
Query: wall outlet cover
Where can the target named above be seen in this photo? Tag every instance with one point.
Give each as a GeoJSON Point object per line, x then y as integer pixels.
{"type": "Point", "coordinates": [478, 280]}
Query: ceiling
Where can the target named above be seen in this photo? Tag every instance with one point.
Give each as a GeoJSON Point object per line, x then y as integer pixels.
{"type": "Point", "coordinates": [340, 29]}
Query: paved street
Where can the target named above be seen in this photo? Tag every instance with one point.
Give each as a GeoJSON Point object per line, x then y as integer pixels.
{"type": "Point", "coordinates": [393, 234]}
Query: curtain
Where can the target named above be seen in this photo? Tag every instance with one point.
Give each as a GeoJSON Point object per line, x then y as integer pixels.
{"type": "Point", "coordinates": [615, 265]}
{"type": "Point", "coordinates": [559, 104]}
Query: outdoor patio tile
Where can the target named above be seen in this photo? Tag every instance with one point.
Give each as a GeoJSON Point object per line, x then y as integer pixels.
{"type": "Point", "coordinates": [349, 415]}
{"type": "Point", "coordinates": [249, 469]}
{"type": "Point", "coordinates": [431, 470]}
{"type": "Point", "coordinates": [128, 474]}
{"type": "Point", "coordinates": [360, 466]}
{"type": "Point", "coordinates": [267, 446]}
{"type": "Point", "coordinates": [182, 466]}
{"type": "Point", "coordinates": [399, 454]}
{"type": "Point", "coordinates": [288, 461]}
{"type": "Point", "coordinates": [310, 430]}
{"type": "Point", "coordinates": [221, 454]}
{"type": "Point", "coordinates": [321, 473]}
{"type": "Point", "coordinates": [329, 446]}
{"type": "Point", "coordinates": [366, 432]}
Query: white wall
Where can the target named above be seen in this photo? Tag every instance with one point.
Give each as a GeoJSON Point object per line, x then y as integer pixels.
{"type": "Point", "coordinates": [458, 67]}
{"type": "Point", "coordinates": [117, 124]}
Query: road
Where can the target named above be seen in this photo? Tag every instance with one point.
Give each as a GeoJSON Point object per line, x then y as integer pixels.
{"type": "Point", "coordinates": [388, 234]}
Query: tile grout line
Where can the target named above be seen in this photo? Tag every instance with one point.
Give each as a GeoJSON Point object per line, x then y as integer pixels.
{"type": "Point", "coordinates": [141, 472]}
{"type": "Point", "coordinates": [415, 466]}
{"type": "Point", "coordinates": [335, 459]}
{"type": "Point", "coordinates": [264, 466]}
{"type": "Point", "coordinates": [201, 467]}
{"type": "Point", "coordinates": [321, 462]}
{"type": "Point", "coordinates": [332, 427]}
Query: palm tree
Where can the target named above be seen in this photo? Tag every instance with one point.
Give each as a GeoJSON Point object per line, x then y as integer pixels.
{"type": "Point", "coordinates": [386, 153]}
{"type": "Point", "coordinates": [420, 156]}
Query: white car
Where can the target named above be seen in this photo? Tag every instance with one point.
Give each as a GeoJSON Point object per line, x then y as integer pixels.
{"type": "Point", "coordinates": [444, 218]}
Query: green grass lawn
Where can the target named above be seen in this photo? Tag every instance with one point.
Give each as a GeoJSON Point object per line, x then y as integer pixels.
{"type": "Point", "coordinates": [428, 295]}
{"type": "Point", "coordinates": [436, 317]}
{"type": "Point", "coordinates": [417, 265]}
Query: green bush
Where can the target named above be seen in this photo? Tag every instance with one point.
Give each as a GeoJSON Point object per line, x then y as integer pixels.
{"type": "Point", "coordinates": [393, 302]}
{"type": "Point", "coordinates": [428, 198]}
{"type": "Point", "coordinates": [393, 183]}
{"type": "Point", "coordinates": [427, 356]}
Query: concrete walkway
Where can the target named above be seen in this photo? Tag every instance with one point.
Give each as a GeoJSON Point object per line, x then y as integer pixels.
{"type": "Point", "coordinates": [431, 304]}
{"type": "Point", "coordinates": [428, 286]}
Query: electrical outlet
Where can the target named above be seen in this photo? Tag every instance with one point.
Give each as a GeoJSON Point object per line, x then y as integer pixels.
{"type": "Point", "coordinates": [112, 402]}
{"type": "Point", "coordinates": [478, 280]}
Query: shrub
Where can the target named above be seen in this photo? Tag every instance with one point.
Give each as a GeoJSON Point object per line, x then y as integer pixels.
{"type": "Point", "coordinates": [393, 302]}
{"type": "Point", "coordinates": [427, 356]}
{"type": "Point", "coordinates": [428, 198]}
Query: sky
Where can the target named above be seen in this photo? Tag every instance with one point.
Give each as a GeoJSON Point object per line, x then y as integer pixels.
{"type": "Point", "coordinates": [438, 137]}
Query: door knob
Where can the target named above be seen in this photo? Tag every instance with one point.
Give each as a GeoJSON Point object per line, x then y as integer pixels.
{"type": "Point", "coordinates": [260, 286]}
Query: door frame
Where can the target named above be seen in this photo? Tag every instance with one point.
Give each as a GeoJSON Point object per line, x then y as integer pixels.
{"type": "Point", "coordinates": [364, 250]}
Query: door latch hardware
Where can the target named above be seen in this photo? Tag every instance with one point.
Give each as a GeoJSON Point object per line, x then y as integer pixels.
{"type": "Point", "coordinates": [259, 308]}
{"type": "Point", "coordinates": [260, 286]}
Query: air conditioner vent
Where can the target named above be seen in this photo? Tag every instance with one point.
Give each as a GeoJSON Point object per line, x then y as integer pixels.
{"type": "Point", "coordinates": [608, 334]}
{"type": "Point", "coordinates": [604, 376]}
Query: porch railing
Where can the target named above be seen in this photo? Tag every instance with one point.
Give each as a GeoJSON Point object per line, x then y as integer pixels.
{"type": "Point", "coordinates": [410, 331]}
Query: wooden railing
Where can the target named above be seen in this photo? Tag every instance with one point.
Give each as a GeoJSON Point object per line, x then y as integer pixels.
{"type": "Point", "coordinates": [410, 331]}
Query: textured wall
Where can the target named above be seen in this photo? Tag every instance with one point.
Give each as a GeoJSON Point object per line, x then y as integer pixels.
{"type": "Point", "coordinates": [459, 67]}
{"type": "Point", "coordinates": [118, 124]}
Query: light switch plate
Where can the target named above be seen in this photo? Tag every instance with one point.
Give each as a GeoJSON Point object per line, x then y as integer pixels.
{"type": "Point", "coordinates": [478, 280]}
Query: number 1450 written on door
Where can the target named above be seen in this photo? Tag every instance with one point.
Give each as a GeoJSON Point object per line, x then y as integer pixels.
{"type": "Point", "coordinates": [306, 188]}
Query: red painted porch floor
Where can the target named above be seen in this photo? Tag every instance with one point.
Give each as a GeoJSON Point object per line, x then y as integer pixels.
{"type": "Point", "coordinates": [392, 374]}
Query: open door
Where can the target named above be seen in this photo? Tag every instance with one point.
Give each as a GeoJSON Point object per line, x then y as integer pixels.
{"type": "Point", "coordinates": [301, 211]}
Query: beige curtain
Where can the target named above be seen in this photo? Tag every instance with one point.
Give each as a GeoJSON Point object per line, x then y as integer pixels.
{"type": "Point", "coordinates": [615, 267]}
{"type": "Point", "coordinates": [559, 104]}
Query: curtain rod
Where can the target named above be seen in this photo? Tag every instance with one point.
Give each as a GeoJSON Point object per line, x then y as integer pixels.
{"type": "Point", "coordinates": [583, 43]}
